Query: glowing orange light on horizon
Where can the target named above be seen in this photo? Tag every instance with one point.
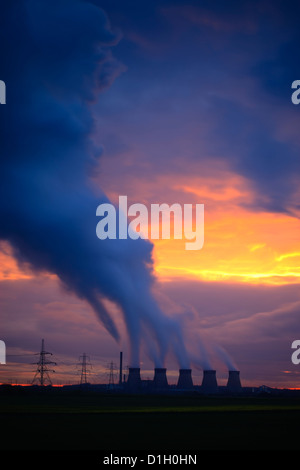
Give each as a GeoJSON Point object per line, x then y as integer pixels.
{"type": "Point", "coordinates": [240, 244]}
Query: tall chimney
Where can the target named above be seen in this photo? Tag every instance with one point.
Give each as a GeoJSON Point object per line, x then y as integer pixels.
{"type": "Point", "coordinates": [185, 381]}
{"type": "Point", "coordinates": [234, 383]}
{"type": "Point", "coordinates": [121, 362]}
{"type": "Point", "coordinates": [209, 381]}
{"type": "Point", "coordinates": [160, 381]}
{"type": "Point", "coordinates": [134, 379]}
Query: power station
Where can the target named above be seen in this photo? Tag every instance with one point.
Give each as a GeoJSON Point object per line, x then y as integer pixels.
{"type": "Point", "coordinates": [234, 383]}
{"type": "Point", "coordinates": [209, 381]}
{"type": "Point", "coordinates": [134, 384]}
{"type": "Point", "coordinates": [159, 383]}
{"type": "Point", "coordinates": [185, 381]}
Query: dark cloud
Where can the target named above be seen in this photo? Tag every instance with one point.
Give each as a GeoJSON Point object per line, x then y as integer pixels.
{"type": "Point", "coordinates": [56, 65]}
{"type": "Point", "coordinates": [252, 148]}
{"type": "Point", "coordinates": [186, 77]}
{"type": "Point", "coordinates": [52, 67]}
{"type": "Point", "coordinates": [220, 80]}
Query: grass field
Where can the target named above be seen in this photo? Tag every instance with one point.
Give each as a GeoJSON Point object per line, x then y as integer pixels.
{"type": "Point", "coordinates": [119, 422]}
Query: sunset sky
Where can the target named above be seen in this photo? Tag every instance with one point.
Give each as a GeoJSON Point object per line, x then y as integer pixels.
{"type": "Point", "coordinates": [165, 102]}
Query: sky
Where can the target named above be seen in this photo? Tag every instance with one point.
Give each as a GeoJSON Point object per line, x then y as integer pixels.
{"type": "Point", "coordinates": [164, 102]}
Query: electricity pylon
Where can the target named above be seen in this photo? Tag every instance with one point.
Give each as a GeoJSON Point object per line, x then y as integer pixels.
{"type": "Point", "coordinates": [111, 381]}
{"type": "Point", "coordinates": [84, 371]}
{"type": "Point", "coordinates": [42, 372]}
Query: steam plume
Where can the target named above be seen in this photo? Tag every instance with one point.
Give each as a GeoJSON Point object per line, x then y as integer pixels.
{"type": "Point", "coordinates": [56, 65]}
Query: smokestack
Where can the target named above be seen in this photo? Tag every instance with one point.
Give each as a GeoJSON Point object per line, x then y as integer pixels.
{"type": "Point", "coordinates": [134, 379]}
{"type": "Point", "coordinates": [160, 381]}
{"type": "Point", "coordinates": [185, 381]}
{"type": "Point", "coordinates": [209, 381]}
{"type": "Point", "coordinates": [121, 362]}
{"type": "Point", "coordinates": [234, 383]}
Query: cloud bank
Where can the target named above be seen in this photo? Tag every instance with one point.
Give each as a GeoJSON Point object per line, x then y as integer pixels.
{"type": "Point", "coordinates": [56, 64]}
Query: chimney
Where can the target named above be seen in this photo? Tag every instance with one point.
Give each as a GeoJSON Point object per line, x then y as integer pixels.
{"type": "Point", "coordinates": [160, 381]}
{"type": "Point", "coordinates": [121, 368]}
{"type": "Point", "coordinates": [134, 379]}
{"type": "Point", "coordinates": [209, 382]}
{"type": "Point", "coordinates": [234, 383]}
{"type": "Point", "coordinates": [185, 381]}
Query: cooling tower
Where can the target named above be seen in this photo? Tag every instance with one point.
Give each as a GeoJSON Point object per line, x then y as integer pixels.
{"type": "Point", "coordinates": [185, 381]}
{"type": "Point", "coordinates": [234, 383]}
{"type": "Point", "coordinates": [134, 379]}
{"type": "Point", "coordinates": [160, 379]}
{"type": "Point", "coordinates": [209, 382]}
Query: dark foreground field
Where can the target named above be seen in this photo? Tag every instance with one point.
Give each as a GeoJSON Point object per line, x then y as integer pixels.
{"type": "Point", "coordinates": [50, 421]}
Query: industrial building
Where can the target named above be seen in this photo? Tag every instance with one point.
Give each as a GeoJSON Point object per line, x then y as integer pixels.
{"type": "Point", "coordinates": [159, 384]}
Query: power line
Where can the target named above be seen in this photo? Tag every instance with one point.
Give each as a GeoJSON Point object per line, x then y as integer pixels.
{"type": "Point", "coordinates": [42, 372]}
{"type": "Point", "coordinates": [21, 355]}
{"type": "Point", "coordinates": [111, 380]}
{"type": "Point", "coordinates": [85, 362]}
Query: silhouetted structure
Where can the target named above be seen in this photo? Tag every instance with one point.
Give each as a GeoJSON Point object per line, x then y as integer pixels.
{"type": "Point", "coordinates": [121, 368]}
{"type": "Point", "coordinates": [234, 383]}
{"type": "Point", "coordinates": [209, 382]}
{"type": "Point", "coordinates": [111, 381]}
{"type": "Point", "coordinates": [160, 381]}
{"type": "Point", "coordinates": [41, 376]}
{"type": "Point", "coordinates": [134, 379]}
{"type": "Point", "coordinates": [185, 381]}
{"type": "Point", "coordinates": [85, 362]}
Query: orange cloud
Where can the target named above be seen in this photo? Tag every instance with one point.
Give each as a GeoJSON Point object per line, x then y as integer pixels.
{"type": "Point", "coordinates": [240, 243]}
{"type": "Point", "coordinates": [9, 268]}
{"type": "Point", "coordinates": [241, 246]}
